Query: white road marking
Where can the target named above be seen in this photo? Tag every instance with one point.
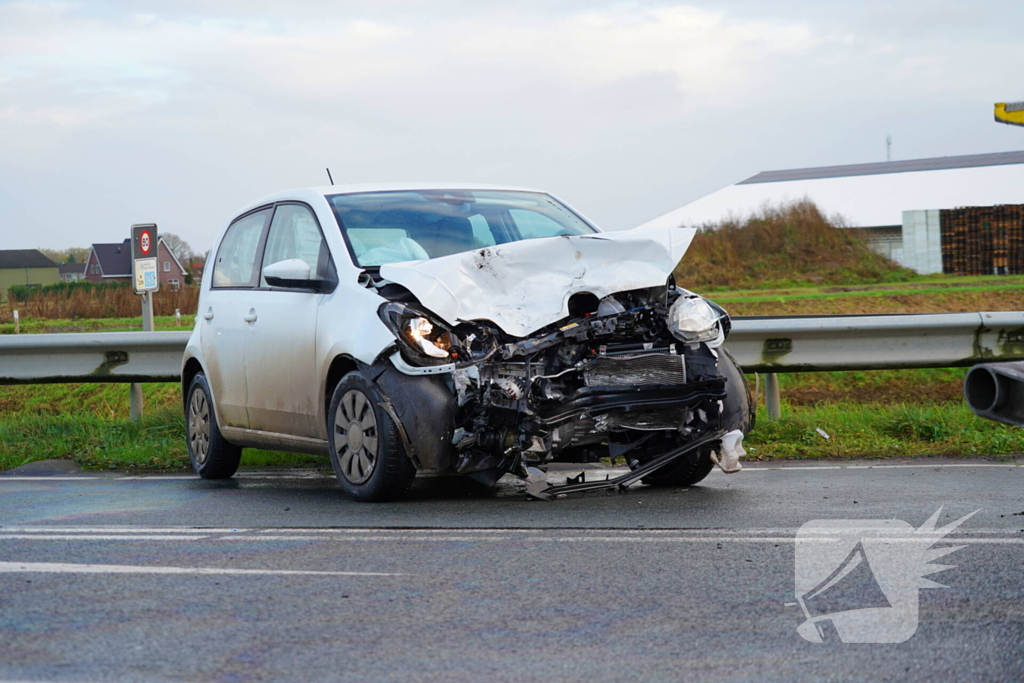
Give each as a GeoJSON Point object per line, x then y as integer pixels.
{"type": "Point", "coordinates": [399, 530]}
{"type": "Point", "coordinates": [65, 568]}
{"type": "Point", "coordinates": [117, 530]}
{"type": "Point", "coordinates": [97, 537]}
{"type": "Point", "coordinates": [1009, 537]}
{"type": "Point", "coordinates": [597, 473]}
{"type": "Point", "coordinates": [765, 467]}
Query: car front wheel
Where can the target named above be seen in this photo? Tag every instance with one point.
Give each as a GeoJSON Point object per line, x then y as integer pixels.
{"type": "Point", "coordinates": [366, 449]}
{"type": "Point", "coordinates": [211, 455]}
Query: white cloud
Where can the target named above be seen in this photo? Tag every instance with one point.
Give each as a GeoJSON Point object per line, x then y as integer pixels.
{"type": "Point", "coordinates": [663, 99]}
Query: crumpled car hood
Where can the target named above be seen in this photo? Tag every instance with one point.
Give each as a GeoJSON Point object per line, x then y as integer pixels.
{"type": "Point", "coordinates": [523, 286]}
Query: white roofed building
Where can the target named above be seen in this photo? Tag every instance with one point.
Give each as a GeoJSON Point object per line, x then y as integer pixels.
{"type": "Point", "coordinates": [890, 201]}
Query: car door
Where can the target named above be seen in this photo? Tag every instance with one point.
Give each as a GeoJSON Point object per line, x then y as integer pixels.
{"type": "Point", "coordinates": [223, 313]}
{"type": "Point", "coordinates": [281, 355]}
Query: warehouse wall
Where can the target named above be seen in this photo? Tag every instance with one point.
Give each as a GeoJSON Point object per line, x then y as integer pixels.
{"type": "Point", "coordinates": [26, 276]}
{"type": "Point", "coordinates": [922, 241]}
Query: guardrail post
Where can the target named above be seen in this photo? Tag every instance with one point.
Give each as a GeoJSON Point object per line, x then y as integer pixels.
{"type": "Point", "coordinates": [135, 398]}
{"type": "Point", "coordinates": [17, 323]}
{"type": "Point", "coordinates": [772, 399]}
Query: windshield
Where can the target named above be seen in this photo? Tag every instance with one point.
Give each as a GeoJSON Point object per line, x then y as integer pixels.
{"type": "Point", "coordinates": [389, 227]}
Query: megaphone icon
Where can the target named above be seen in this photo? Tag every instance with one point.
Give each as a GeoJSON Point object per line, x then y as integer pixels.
{"type": "Point", "coordinates": [850, 586]}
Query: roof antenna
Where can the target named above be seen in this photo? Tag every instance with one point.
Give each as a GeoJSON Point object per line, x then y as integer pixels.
{"type": "Point", "coordinates": [329, 176]}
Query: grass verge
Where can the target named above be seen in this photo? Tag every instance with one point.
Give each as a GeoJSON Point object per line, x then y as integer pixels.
{"type": "Point", "coordinates": [882, 414]}
{"type": "Point", "coordinates": [88, 423]}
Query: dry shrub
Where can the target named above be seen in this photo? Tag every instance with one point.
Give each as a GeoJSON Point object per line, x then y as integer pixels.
{"type": "Point", "coordinates": [80, 300]}
{"type": "Point", "coordinates": [789, 244]}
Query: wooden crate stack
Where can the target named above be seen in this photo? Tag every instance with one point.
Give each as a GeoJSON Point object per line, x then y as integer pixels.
{"type": "Point", "coordinates": [983, 240]}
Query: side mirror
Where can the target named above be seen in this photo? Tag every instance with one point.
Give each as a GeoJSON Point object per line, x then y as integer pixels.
{"type": "Point", "coordinates": [292, 273]}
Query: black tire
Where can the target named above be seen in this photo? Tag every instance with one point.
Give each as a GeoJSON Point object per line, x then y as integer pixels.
{"type": "Point", "coordinates": [211, 455]}
{"type": "Point", "coordinates": [366, 448]}
{"type": "Point", "coordinates": [737, 413]}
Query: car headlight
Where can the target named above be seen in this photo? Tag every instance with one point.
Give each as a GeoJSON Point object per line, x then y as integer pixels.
{"type": "Point", "coordinates": [692, 320]}
{"type": "Point", "coordinates": [424, 338]}
{"type": "Point", "coordinates": [422, 334]}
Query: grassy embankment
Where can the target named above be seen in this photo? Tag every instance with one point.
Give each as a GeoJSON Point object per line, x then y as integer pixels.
{"type": "Point", "coordinates": [789, 262]}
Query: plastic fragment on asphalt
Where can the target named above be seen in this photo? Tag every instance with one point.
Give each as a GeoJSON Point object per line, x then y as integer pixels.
{"type": "Point", "coordinates": [732, 451]}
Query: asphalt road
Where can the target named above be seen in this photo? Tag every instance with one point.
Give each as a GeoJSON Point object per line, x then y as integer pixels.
{"type": "Point", "coordinates": [276, 577]}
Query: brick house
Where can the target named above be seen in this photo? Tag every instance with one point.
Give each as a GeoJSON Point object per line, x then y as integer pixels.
{"type": "Point", "coordinates": [113, 261]}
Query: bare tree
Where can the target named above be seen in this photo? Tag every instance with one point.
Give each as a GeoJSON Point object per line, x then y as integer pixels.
{"type": "Point", "coordinates": [179, 247]}
{"type": "Point", "coordinates": [72, 255]}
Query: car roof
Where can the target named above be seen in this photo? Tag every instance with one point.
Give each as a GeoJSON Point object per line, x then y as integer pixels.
{"type": "Point", "coordinates": [306, 193]}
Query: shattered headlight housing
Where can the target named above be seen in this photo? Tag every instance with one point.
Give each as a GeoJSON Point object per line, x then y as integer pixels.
{"type": "Point", "coordinates": [420, 335]}
{"type": "Point", "coordinates": [692, 320]}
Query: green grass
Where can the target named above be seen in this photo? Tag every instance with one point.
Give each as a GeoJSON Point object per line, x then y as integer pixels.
{"type": "Point", "coordinates": [88, 423]}
{"type": "Point", "coordinates": [881, 431]}
{"type": "Point", "coordinates": [910, 283]}
{"type": "Point", "coordinates": [44, 326]}
{"type": "Point", "coordinates": [876, 292]}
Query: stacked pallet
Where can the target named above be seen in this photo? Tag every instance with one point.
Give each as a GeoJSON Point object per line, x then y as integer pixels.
{"type": "Point", "coordinates": [983, 240]}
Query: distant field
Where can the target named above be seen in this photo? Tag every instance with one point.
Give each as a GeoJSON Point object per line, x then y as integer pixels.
{"type": "Point", "coordinates": [925, 295]}
{"type": "Point", "coordinates": [32, 325]}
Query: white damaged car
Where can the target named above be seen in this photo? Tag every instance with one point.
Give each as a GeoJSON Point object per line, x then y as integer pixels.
{"type": "Point", "coordinates": [466, 330]}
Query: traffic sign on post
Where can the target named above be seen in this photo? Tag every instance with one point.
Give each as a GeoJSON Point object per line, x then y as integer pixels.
{"type": "Point", "coordinates": [145, 275]}
{"type": "Point", "coordinates": [146, 280]}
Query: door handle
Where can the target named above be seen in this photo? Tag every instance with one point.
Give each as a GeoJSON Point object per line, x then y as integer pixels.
{"type": "Point", "coordinates": [209, 313]}
{"type": "Point", "coordinates": [250, 317]}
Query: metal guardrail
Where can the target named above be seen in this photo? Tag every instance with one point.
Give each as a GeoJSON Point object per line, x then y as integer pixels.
{"type": "Point", "coordinates": [798, 344]}
{"type": "Point", "coordinates": [876, 342]}
{"type": "Point", "coordinates": [766, 345]}
{"type": "Point", "coordinates": [92, 357]}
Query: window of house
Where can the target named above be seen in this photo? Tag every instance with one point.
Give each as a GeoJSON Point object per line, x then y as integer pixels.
{"type": "Point", "coordinates": [173, 284]}
{"type": "Point", "coordinates": [167, 266]}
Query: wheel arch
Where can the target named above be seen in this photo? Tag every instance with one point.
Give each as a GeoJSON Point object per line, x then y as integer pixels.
{"type": "Point", "coordinates": [340, 366]}
{"type": "Point", "coordinates": [189, 370]}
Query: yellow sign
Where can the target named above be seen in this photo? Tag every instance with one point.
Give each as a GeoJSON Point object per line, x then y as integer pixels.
{"type": "Point", "coordinates": [1010, 112]}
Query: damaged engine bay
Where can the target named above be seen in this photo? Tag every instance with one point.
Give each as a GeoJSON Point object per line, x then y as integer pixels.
{"type": "Point", "coordinates": [636, 376]}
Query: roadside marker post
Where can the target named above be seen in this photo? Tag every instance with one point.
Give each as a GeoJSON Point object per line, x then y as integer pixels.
{"type": "Point", "coordinates": [17, 323]}
{"type": "Point", "coordinates": [146, 281]}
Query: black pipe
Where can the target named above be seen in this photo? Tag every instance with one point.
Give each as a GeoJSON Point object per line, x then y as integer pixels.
{"type": "Point", "coordinates": [996, 391]}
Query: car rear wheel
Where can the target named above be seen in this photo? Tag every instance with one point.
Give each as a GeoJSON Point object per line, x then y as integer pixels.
{"type": "Point", "coordinates": [737, 413]}
{"type": "Point", "coordinates": [366, 449]}
{"type": "Point", "coordinates": [211, 455]}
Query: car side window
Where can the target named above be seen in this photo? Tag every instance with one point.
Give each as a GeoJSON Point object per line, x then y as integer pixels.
{"type": "Point", "coordinates": [295, 234]}
{"type": "Point", "coordinates": [236, 256]}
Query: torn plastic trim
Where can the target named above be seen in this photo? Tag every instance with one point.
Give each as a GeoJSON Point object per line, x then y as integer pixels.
{"type": "Point", "coordinates": [412, 370]}
{"type": "Point", "coordinates": [732, 451]}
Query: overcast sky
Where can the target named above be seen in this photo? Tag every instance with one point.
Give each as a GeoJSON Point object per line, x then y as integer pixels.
{"type": "Point", "coordinates": [180, 111]}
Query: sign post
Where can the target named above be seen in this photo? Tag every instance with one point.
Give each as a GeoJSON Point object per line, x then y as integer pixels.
{"type": "Point", "coordinates": [145, 280]}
